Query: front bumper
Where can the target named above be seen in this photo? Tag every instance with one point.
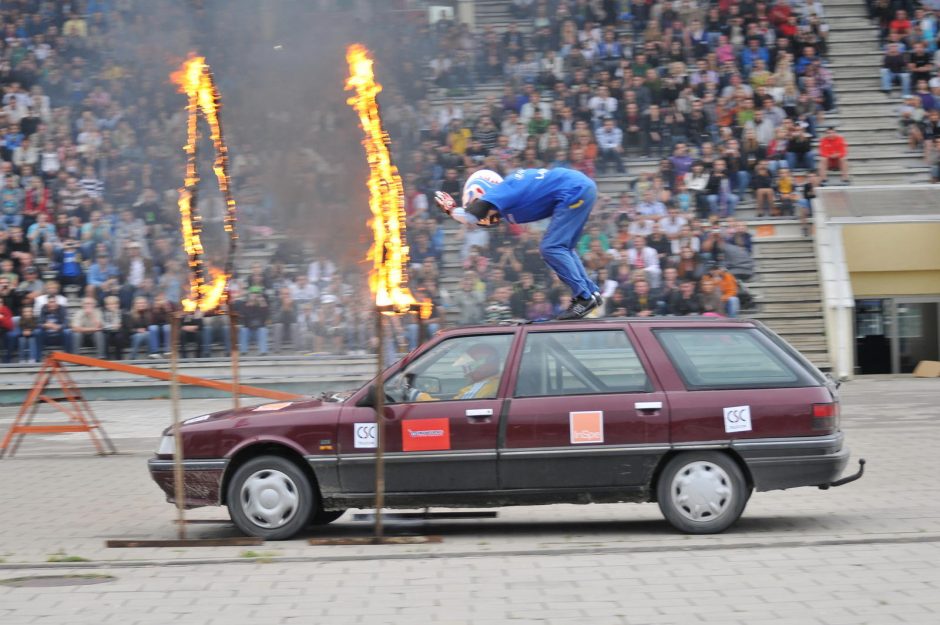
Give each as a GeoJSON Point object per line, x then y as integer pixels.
{"type": "Point", "coordinates": [790, 462]}
{"type": "Point", "coordinates": [202, 480]}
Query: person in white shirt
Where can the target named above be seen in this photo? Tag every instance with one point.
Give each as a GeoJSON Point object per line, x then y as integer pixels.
{"type": "Point", "coordinates": [672, 223]}
{"type": "Point", "coordinates": [651, 207]}
{"type": "Point", "coordinates": [517, 138]}
{"type": "Point", "coordinates": [448, 112]}
{"type": "Point", "coordinates": [303, 291]}
{"type": "Point", "coordinates": [685, 239]}
{"type": "Point", "coordinates": [640, 227]}
{"type": "Point", "coordinates": [320, 271]}
{"type": "Point", "coordinates": [643, 257]}
{"type": "Point", "coordinates": [602, 106]}
{"type": "Point", "coordinates": [52, 292]}
{"type": "Point", "coordinates": [535, 104]}
{"type": "Point", "coordinates": [610, 147]}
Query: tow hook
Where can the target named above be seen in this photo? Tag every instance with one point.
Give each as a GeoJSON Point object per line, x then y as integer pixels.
{"type": "Point", "coordinates": [848, 478]}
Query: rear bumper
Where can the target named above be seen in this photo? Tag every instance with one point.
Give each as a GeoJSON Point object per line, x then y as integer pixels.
{"type": "Point", "coordinates": [787, 463]}
{"type": "Point", "coordinates": [202, 480]}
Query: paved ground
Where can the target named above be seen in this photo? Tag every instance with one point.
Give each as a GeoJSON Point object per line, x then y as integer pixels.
{"type": "Point", "coordinates": [865, 553]}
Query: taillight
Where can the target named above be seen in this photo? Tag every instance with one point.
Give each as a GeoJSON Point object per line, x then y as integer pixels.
{"type": "Point", "coordinates": [826, 416]}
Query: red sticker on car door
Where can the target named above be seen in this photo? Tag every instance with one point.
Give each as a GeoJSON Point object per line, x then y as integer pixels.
{"type": "Point", "coordinates": [425, 434]}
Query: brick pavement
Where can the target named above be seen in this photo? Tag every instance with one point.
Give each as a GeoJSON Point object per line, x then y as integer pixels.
{"type": "Point", "coordinates": [833, 585]}
{"type": "Point", "coordinates": [55, 497]}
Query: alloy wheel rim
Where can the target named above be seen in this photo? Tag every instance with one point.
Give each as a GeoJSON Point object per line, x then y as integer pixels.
{"type": "Point", "coordinates": [701, 491]}
{"type": "Point", "coordinates": [269, 498]}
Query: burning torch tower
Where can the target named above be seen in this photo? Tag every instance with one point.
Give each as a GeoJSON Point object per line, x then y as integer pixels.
{"type": "Point", "coordinates": [388, 278]}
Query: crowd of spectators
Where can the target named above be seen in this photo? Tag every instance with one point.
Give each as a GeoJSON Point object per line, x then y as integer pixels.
{"type": "Point", "coordinates": [90, 161]}
{"type": "Point", "coordinates": [909, 36]}
{"type": "Point", "coordinates": [727, 97]}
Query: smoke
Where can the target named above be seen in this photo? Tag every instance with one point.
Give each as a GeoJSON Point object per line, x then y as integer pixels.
{"type": "Point", "coordinates": [293, 142]}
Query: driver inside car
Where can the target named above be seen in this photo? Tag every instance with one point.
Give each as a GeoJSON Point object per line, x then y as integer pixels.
{"type": "Point", "coordinates": [480, 364]}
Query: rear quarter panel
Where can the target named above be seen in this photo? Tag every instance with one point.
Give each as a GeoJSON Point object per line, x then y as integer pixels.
{"type": "Point", "coordinates": [698, 415]}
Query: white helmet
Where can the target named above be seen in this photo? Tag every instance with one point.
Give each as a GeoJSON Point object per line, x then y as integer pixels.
{"type": "Point", "coordinates": [478, 184]}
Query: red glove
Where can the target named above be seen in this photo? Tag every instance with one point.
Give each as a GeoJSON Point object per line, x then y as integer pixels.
{"type": "Point", "coordinates": [445, 202]}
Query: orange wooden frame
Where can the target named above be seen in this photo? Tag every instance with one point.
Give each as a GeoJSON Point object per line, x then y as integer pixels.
{"type": "Point", "coordinates": [81, 417]}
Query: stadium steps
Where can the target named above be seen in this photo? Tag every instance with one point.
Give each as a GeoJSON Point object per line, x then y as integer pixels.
{"type": "Point", "coordinates": [786, 288]}
{"type": "Point", "coordinates": [845, 10]}
{"type": "Point", "coordinates": [866, 118]}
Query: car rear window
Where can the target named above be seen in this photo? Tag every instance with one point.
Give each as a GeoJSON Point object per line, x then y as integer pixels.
{"type": "Point", "coordinates": [579, 363]}
{"type": "Point", "coordinates": [723, 358]}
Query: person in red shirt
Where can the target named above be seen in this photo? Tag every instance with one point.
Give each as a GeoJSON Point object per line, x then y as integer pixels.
{"type": "Point", "coordinates": [780, 13]}
{"type": "Point", "coordinates": [900, 24]}
{"type": "Point", "coordinates": [833, 155]}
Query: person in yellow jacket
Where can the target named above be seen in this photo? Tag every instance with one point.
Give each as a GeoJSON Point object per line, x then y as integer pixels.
{"type": "Point", "coordinates": [480, 365]}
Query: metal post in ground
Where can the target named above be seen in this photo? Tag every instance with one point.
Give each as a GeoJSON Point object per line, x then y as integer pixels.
{"type": "Point", "coordinates": [233, 339]}
{"type": "Point", "coordinates": [177, 436]}
{"type": "Point", "coordinates": [379, 390]}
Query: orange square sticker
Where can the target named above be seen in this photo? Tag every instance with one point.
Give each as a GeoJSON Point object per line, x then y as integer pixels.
{"type": "Point", "coordinates": [425, 434]}
{"type": "Point", "coordinates": [586, 427]}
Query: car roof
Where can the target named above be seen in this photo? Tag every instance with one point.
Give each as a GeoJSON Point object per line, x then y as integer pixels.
{"type": "Point", "coordinates": [696, 321]}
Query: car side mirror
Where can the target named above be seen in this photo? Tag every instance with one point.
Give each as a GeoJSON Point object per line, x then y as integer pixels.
{"type": "Point", "coordinates": [367, 400]}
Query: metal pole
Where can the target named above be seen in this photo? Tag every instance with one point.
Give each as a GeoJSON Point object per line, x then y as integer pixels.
{"type": "Point", "coordinates": [379, 390]}
{"type": "Point", "coordinates": [233, 340]}
{"type": "Point", "coordinates": [421, 336]}
{"type": "Point", "coordinates": [177, 435]}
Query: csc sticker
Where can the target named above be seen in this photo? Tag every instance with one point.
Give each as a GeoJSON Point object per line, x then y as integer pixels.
{"type": "Point", "coordinates": [738, 419]}
{"type": "Point", "coordinates": [364, 435]}
{"type": "Point", "coordinates": [586, 427]}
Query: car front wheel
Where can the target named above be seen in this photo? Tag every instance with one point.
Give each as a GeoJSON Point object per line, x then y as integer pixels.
{"type": "Point", "coordinates": [270, 497]}
{"type": "Point", "coordinates": [702, 492]}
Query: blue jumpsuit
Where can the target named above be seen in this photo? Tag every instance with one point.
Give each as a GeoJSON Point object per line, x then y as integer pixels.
{"type": "Point", "coordinates": [565, 195]}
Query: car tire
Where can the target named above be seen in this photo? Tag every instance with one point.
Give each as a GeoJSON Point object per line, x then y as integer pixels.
{"type": "Point", "coordinates": [270, 497]}
{"type": "Point", "coordinates": [325, 517]}
{"type": "Point", "coordinates": [702, 492]}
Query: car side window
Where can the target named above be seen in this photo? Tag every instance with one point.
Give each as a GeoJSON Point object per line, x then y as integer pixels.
{"type": "Point", "coordinates": [579, 363]}
{"type": "Point", "coordinates": [723, 358]}
{"type": "Point", "coordinates": [463, 367]}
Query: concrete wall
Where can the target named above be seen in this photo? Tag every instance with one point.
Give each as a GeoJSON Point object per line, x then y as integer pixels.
{"type": "Point", "coordinates": [893, 258]}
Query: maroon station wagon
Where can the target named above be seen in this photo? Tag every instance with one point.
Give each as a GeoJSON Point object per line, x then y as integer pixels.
{"type": "Point", "coordinates": [691, 413]}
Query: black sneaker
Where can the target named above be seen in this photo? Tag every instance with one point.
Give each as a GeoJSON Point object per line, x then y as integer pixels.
{"type": "Point", "coordinates": [578, 308]}
{"type": "Point", "coordinates": [598, 299]}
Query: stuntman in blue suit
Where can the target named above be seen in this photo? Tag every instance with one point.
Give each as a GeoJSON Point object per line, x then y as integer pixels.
{"type": "Point", "coordinates": [526, 195]}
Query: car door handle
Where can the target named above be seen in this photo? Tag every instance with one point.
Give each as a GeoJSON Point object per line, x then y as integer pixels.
{"type": "Point", "coordinates": [479, 415]}
{"type": "Point", "coordinates": [646, 406]}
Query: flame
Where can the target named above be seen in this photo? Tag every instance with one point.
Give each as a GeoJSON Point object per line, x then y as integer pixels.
{"type": "Point", "coordinates": [194, 78]}
{"type": "Point", "coordinates": [426, 307]}
{"type": "Point", "coordinates": [388, 278]}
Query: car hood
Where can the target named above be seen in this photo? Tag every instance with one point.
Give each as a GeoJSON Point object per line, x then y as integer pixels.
{"type": "Point", "coordinates": [259, 413]}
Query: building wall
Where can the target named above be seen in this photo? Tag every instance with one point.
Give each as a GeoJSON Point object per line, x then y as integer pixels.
{"type": "Point", "coordinates": [893, 259]}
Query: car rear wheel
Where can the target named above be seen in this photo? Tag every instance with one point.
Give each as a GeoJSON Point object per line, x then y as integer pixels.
{"type": "Point", "coordinates": [702, 492]}
{"type": "Point", "coordinates": [270, 497]}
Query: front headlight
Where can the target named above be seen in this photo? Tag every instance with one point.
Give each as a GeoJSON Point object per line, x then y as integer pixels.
{"type": "Point", "coordinates": [167, 446]}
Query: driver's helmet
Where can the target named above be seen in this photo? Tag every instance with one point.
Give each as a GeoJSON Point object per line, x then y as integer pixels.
{"type": "Point", "coordinates": [478, 184]}
{"type": "Point", "coordinates": [479, 362]}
